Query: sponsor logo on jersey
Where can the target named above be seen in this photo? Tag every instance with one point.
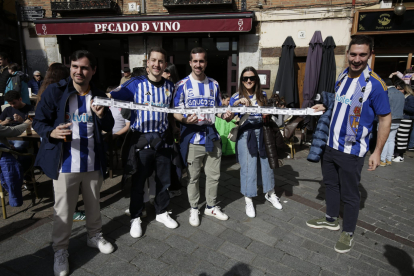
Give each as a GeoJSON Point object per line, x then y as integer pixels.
{"type": "Point", "coordinates": [190, 92]}
{"type": "Point", "coordinates": [201, 102]}
{"type": "Point", "coordinates": [342, 99]}
{"type": "Point", "coordinates": [83, 118]}
{"type": "Point", "coordinates": [148, 93]}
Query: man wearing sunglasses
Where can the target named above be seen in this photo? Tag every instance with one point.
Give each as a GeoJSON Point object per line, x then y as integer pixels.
{"type": "Point", "coordinates": [200, 142]}
{"type": "Point", "coordinates": [35, 82]}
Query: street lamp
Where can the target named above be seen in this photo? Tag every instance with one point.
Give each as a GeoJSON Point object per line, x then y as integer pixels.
{"type": "Point", "coordinates": [399, 9]}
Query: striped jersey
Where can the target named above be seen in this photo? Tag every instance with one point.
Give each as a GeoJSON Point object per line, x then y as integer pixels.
{"type": "Point", "coordinates": [375, 102]}
{"type": "Point", "coordinates": [193, 93]}
{"type": "Point", "coordinates": [236, 96]}
{"type": "Point", "coordinates": [141, 90]}
{"type": "Point", "coordinates": [79, 154]}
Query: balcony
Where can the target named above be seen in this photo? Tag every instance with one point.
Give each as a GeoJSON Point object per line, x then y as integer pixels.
{"type": "Point", "coordinates": [182, 3]}
{"type": "Point", "coordinates": [64, 6]}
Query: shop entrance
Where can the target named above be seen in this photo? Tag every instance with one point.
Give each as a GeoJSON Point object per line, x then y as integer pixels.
{"type": "Point", "coordinates": [222, 53]}
{"type": "Point", "coordinates": [111, 53]}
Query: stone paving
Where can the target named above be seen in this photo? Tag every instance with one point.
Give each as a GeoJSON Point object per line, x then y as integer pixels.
{"type": "Point", "coordinates": [274, 243]}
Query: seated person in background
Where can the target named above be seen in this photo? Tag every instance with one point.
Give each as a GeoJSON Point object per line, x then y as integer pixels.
{"type": "Point", "coordinates": [17, 82]}
{"type": "Point", "coordinates": [14, 115]}
{"type": "Point", "coordinates": [35, 82]}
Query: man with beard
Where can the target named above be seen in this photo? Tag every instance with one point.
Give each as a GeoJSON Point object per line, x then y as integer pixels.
{"type": "Point", "coordinates": [150, 143]}
{"type": "Point", "coordinates": [200, 142]}
{"type": "Point", "coordinates": [72, 153]}
{"type": "Point", "coordinates": [360, 96]}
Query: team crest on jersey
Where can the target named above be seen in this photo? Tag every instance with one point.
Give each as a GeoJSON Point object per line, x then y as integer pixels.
{"type": "Point", "coordinates": [167, 92]}
{"type": "Point", "coordinates": [211, 93]}
{"type": "Point", "coordinates": [355, 118]}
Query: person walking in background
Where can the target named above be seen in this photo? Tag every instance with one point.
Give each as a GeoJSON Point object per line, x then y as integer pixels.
{"type": "Point", "coordinates": [150, 143]}
{"type": "Point", "coordinates": [200, 142]}
{"type": "Point", "coordinates": [396, 99]}
{"type": "Point", "coordinates": [35, 82]}
{"type": "Point", "coordinates": [405, 132]}
{"type": "Point", "coordinates": [126, 75]}
{"type": "Point", "coordinates": [17, 82]}
{"type": "Point", "coordinates": [55, 73]}
{"type": "Point", "coordinates": [250, 146]}
{"type": "Point", "coordinates": [360, 96]}
{"type": "Point", "coordinates": [72, 154]}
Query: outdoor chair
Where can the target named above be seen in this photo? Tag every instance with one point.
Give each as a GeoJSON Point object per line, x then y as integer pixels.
{"type": "Point", "coordinates": [29, 172]}
{"type": "Point", "coordinates": [291, 124]}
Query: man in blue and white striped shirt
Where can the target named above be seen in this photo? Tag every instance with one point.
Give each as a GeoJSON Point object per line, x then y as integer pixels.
{"type": "Point", "coordinates": [200, 142]}
{"type": "Point", "coordinates": [360, 96]}
{"type": "Point", "coordinates": [148, 150]}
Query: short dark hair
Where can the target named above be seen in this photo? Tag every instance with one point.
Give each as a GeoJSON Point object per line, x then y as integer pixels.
{"type": "Point", "coordinates": [361, 39]}
{"type": "Point", "coordinates": [158, 50]}
{"type": "Point", "coordinates": [224, 96]}
{"type": "Point", "coordinates": [83, 53]}
{"type": "Point", "coordinates": [4, 55]}
{"type": "Point", "coordinates": [14, 66]}
{"type": "Point", "coordinates": [198, 50]}
{"type": "Point", "coordinates": [12, 95]}
{"type": "Point", "coordinates": [388, 82]}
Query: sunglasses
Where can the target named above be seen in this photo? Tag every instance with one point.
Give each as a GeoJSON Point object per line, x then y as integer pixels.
{"type": "Point", "coordinates": [37, 75]}
{"type": "Point", "coordinates": [245, 79]}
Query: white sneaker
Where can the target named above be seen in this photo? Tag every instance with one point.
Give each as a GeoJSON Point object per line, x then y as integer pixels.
{"type": "Point", "coordinates": [250, 212]}
{"type": "Point", "coordinates": [136, 230]}
{"type": "Point", "coordinates": [174, 193]}
{"type": "Point", "coordinates": [143, 214]}
{"type": "Point", "coordinates": [166, 220]}
{"type": "Point", "coordinates": [194, 219]}
{"type": "Point", "coordinates": [61, 265]}
{"type": "Point", "coordinates": [215, 212]}
{"type": "Point", "coordinates": [398, 159]}
{"type": "Point", "coordinates": [274, 200]}
{"type": "Point", "coordinates": [98, 241]}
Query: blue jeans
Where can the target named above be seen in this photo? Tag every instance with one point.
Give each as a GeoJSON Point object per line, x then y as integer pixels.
{"type": "Point", "coordinates": [388, 150]}
{"type": "Point", "coordinates": [254, 169]}
{"type": "Point", "coordinates": [20, 146]}
{"type": "Point", "coordinates": [411, 143]}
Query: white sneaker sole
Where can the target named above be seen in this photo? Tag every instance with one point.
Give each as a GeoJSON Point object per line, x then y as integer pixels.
{"type": "Point", "coordinates": [194, 224]}
{"type": "Point", "coordinates": [334, 228]}
{"type": "Point", "coordinates": [171, 227]}
{"type": "Point", "coordinates": [90, 244]}
{"type": "Point", "coordinates": [215, 216]}
{"type": "Point", "coordinates": [344, 251]}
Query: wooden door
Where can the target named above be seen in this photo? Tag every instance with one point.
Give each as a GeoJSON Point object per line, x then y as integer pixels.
{"type": "Point", "coordinates": [232, 74]}
{"type": "Point", "coordinates": [300, 65]}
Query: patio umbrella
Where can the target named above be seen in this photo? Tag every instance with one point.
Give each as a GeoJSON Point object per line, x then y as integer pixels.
{"type": "Point", "coordinates": [285, 79]}
{"type": "Point", "coordinates": [327, 74]}
{"type": "Point", "coordinates": [312, 70]}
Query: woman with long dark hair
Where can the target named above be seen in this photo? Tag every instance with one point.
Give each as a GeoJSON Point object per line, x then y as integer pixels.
{"type": "Point", "coordinates": [54, 73]}
{"type": "Point", "coordinates": [170, 73]}
{"type": "Point", "coordinates": [250, 148]}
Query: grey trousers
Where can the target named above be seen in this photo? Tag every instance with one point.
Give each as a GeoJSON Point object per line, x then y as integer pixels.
{"type": "Point", "coordinates": [211, 161]}
{"type": "Point", "coordinates": [66, 197]}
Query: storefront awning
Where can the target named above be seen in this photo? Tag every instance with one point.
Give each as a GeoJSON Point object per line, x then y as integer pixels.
{"type": "Point", "coordinates": [200, 23]}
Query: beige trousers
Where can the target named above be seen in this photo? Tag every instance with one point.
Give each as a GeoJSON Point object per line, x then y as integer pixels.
{"type": "Point", "coordinates": [197, 156]}
{"type": "Point", "coordinates": [66, 197]}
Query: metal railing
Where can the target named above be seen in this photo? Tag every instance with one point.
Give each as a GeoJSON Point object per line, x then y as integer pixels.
{"type": "Point", "coordinates": [68, 5]}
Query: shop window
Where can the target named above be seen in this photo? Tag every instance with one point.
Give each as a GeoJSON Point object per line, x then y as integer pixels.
{"type": "Point", "coordinates": [234, 59]}
{"type": "Point", "coordinates": [193, 42]}
{"type": "Point", "coordinates": [387, 64]}
{"type": "Point", "coordinates": [178, 44]}
{"type": "Point", "coordinates": [233, 75]}
{"type": "Point", "coordinates": [223, 44]}
{"type": "Point", "coordinates": [208, 44]}
{"type": "Point", "coordinates": [234, 44]}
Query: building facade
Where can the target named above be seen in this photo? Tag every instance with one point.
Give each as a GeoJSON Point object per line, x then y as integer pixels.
{"type": "Point", "coordinates": [235, 33]}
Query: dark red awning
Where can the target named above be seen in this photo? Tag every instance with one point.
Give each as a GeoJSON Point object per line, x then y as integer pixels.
{"type": "Point", "coordinates": [200, 23]}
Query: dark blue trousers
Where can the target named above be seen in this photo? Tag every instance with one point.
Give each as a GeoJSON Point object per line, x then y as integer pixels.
{"type": "Point", "coordinates": [149, 160]}
{"type": "Point", "coordinates": [341, 175]}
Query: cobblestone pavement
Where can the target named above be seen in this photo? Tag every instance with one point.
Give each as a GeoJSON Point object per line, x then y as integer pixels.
{"type": "Point", "coordinates": [274, 243]}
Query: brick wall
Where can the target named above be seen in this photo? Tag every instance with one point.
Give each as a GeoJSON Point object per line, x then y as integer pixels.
{"type": "Point", "coordinates": [156, 6]}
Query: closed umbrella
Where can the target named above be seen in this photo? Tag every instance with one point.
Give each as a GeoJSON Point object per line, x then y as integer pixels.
{"type": "Point", "coordinates": [327, 76]}
{"type": "Point", "coordinates": [313, 68]}
{"type": "Point", "coordinates": [285, 79]}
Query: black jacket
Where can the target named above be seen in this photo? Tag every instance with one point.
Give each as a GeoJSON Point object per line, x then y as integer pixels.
{"type": "Point", "coordinates": [4, 77]}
